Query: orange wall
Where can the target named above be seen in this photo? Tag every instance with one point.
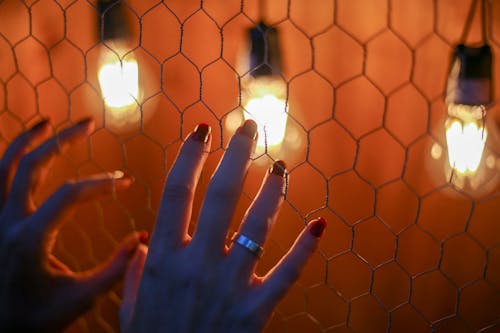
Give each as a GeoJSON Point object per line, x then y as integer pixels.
{"type": "Point", "coordinates": [404, 249]}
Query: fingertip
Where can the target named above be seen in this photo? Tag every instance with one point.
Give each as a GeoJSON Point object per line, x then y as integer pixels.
{"type": "Point", "coordinates": [317, 227]}
{"type": "Point", "coordinates": [87, 124]}
{"type": "Point", "coordinates": [143, 237]}
{"type": "Point", "coordinates": [202, 133]}
{"type": "Point", "coordinates": [248, 129]}
{"type": "Point", "coordinates": [138, 256]}
{"type": "Point", "coordinates": [41, 125]}
{"type": "Point", "coordinates": [122, 179]}
{"type": "Point", "coordinates": [278, 168]}
{"type": "Point", "coordinates": [132, 241]}
{"type": "Point", "coordinates": [142, 250]}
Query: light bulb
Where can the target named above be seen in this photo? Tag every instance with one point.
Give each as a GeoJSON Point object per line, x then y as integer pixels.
{"type": "Point", "coordinates": [118, 79]}
{"type": "Point", "coordinates": [465, 137]}
{"type": "Point", "coordinates": [121, 76]}
{"type": "Point", "coordinates": [264, 91]}
{"type": "Point", "coordinates": [471, 164]}
{"type": "Point", "coordinates": [264, 101]}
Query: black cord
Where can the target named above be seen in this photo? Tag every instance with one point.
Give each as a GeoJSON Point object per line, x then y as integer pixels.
{"type": "Point", "coordinates": [468, 22]}
{"type": "Point", "coordinates": [484, 21]}
{"type": "Point", "coordinates": [470, 19]}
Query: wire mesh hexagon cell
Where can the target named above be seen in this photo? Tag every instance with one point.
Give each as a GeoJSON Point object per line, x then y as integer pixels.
{"type": "Point", "coordinates": [406, 250]}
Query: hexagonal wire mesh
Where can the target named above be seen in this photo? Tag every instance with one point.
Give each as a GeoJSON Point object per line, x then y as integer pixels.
{"type": "Point", "coordinates": [406, 250]}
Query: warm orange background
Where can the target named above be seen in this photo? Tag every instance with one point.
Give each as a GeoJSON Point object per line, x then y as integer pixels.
{"type": "Point", "coordinates": [404, 251]}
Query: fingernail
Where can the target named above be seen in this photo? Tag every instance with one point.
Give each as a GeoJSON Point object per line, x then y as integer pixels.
{"type": "Point", "coordinates": [202, 133]}
{"type": "Point", "coordinates": [87, 123]}
{"type": "Point", "coordinates": [117, 174]}
{"type": "Point", "coordinates": [318, 227]}
{"type": "Point", "coordinates": [249, 129]}
{"type": "Point", "coordinates": [121, 175]}
{"type": "Point", "coordinates": [84, 121]}
{"type": "Point", "coordinates": [144, 237]}
{"type": "Point", "coordinates": [40, 125]}
{"type": "Point", "coordinates": [278, 168]}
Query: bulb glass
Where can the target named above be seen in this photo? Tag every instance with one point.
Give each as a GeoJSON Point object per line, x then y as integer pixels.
{"type": "Point", "coordinates": [266, 104]}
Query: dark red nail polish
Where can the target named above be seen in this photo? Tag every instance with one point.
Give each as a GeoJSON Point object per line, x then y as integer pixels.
{"type": "Point", "coordinates": [84, 121]}
{"type": "Point", "coordinates": [144, 237]}
{"type": "Point", "coordinates": [202, 133]}
{"type": "Point", "coordinates": [249, 129]}
{"type": "Point", "coordinates": [318, 227]}
{"type": "Point", "coordinates": [40, 125]}
{"type": "Point", "coordinates": [278, 168]}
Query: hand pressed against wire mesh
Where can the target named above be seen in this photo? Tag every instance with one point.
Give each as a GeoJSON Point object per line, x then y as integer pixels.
{"type": "Point", "coordinates": [38, 293]}
{"type": "Point", "coordinates": [197, 284]}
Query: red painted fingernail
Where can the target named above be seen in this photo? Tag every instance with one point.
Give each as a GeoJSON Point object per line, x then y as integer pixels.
{"type": "Point", "coordinates": [278, 168]}
{"type": "Point", "coordinates": [40, 124]}
{"type": "Point", "coordinates": [249, 129]}
{"type": "Point", "coordinates": [144, 237]}
{"type": "Point", "coordinates": [318, 227]}
{"type": "Point", "coordinates": [202, 133]}
{"type": "Point", "coordinates": [84, 121]}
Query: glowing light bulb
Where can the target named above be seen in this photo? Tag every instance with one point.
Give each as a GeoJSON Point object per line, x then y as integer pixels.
{"type": "Point", "coordinates": [119, 81]}
{"type": "Point", "coordinates": [264, 102]}
{"type": "Point", "coordinates": [122, 78]}
{"type": "Point", "coordinates": [471, 164]}
{"type": "Point", "coordinates": [465, 137]}
{"type": "Point", "coordinates": [118, 77]}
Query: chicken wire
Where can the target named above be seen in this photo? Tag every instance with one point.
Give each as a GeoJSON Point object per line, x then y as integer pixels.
{"type": "Point", "coordinates": [406, 250]}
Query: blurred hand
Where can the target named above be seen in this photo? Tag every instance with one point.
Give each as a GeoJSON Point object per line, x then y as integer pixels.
{"type": "Point", "coordinates": [198, 284]}
{"type": "Point", "coordinates": [38, 293]}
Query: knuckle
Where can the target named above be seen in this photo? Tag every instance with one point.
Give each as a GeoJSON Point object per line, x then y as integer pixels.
{"type": "Point", "coordinates": [258, 225]}
{"type": "Point", "coordinates": [220, 191]}
{"type": "Point", "coordinates": [177, 192]}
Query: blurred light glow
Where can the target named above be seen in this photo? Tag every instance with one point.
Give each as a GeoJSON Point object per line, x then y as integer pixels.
{"type": "Point", "coordinates": [269, 113]}
{"type": "Point", "coordinates": [465, 145]}
{"type": "Point", "coordinates": [265, 103]}
{"type": "Point", "coordinates": [119, 82]}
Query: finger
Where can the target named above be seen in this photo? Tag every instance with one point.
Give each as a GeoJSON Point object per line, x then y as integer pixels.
{"type": "Point", "coordinates": [175, 210]}
{"type": "Point", "coordinates": [224, 191]}
{"type": "Point", "coordinates": [16, 150]}
{"type": "Point", "coordinates": [259, 218]}
{"type": "Point", "coordinates": [30, 169]}
{"type": "Point", "coordinates": [131, 285]}
{"type": "Point", "coordinates": [91, 284]}
{"type": "Point", "coordinates": [287, 271]}
{"type": "Point", "coordinates": [45, 222]}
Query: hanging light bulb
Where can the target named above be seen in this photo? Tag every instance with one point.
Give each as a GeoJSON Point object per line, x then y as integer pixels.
{"type": "Point", "coordinates": [468, 94]}
{"type": "Point", "coordinates": [119, 78]}
{"type": "Point", "coordinates": [469, 165]}
{"type": "Point", "coordinates": [118, 72]}
{"type": "Point", "coordinates": [264, 90]}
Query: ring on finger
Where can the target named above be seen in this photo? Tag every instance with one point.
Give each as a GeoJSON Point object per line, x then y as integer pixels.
{"type": "Point", "coordinates": [242, 240]}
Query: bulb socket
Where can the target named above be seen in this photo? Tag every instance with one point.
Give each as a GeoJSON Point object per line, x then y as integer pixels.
{"type": "Point", "coordinates": [265, 52]}
{"type": "Point", "coordinates": [112, 20]}
{"type": "Point", "coordinates": [470, 80]}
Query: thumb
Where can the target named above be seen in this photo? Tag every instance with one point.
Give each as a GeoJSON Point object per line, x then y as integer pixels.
{"type": "Point", "coordinates": [131, 285]}
{"type": "Point", "coordinates": [99, 280]}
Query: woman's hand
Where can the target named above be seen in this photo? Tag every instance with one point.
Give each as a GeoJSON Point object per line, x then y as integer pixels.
{"type": "Point", "coordinates": [197, 284]}
{"type": "Point", "coordinates": [38, 293]}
